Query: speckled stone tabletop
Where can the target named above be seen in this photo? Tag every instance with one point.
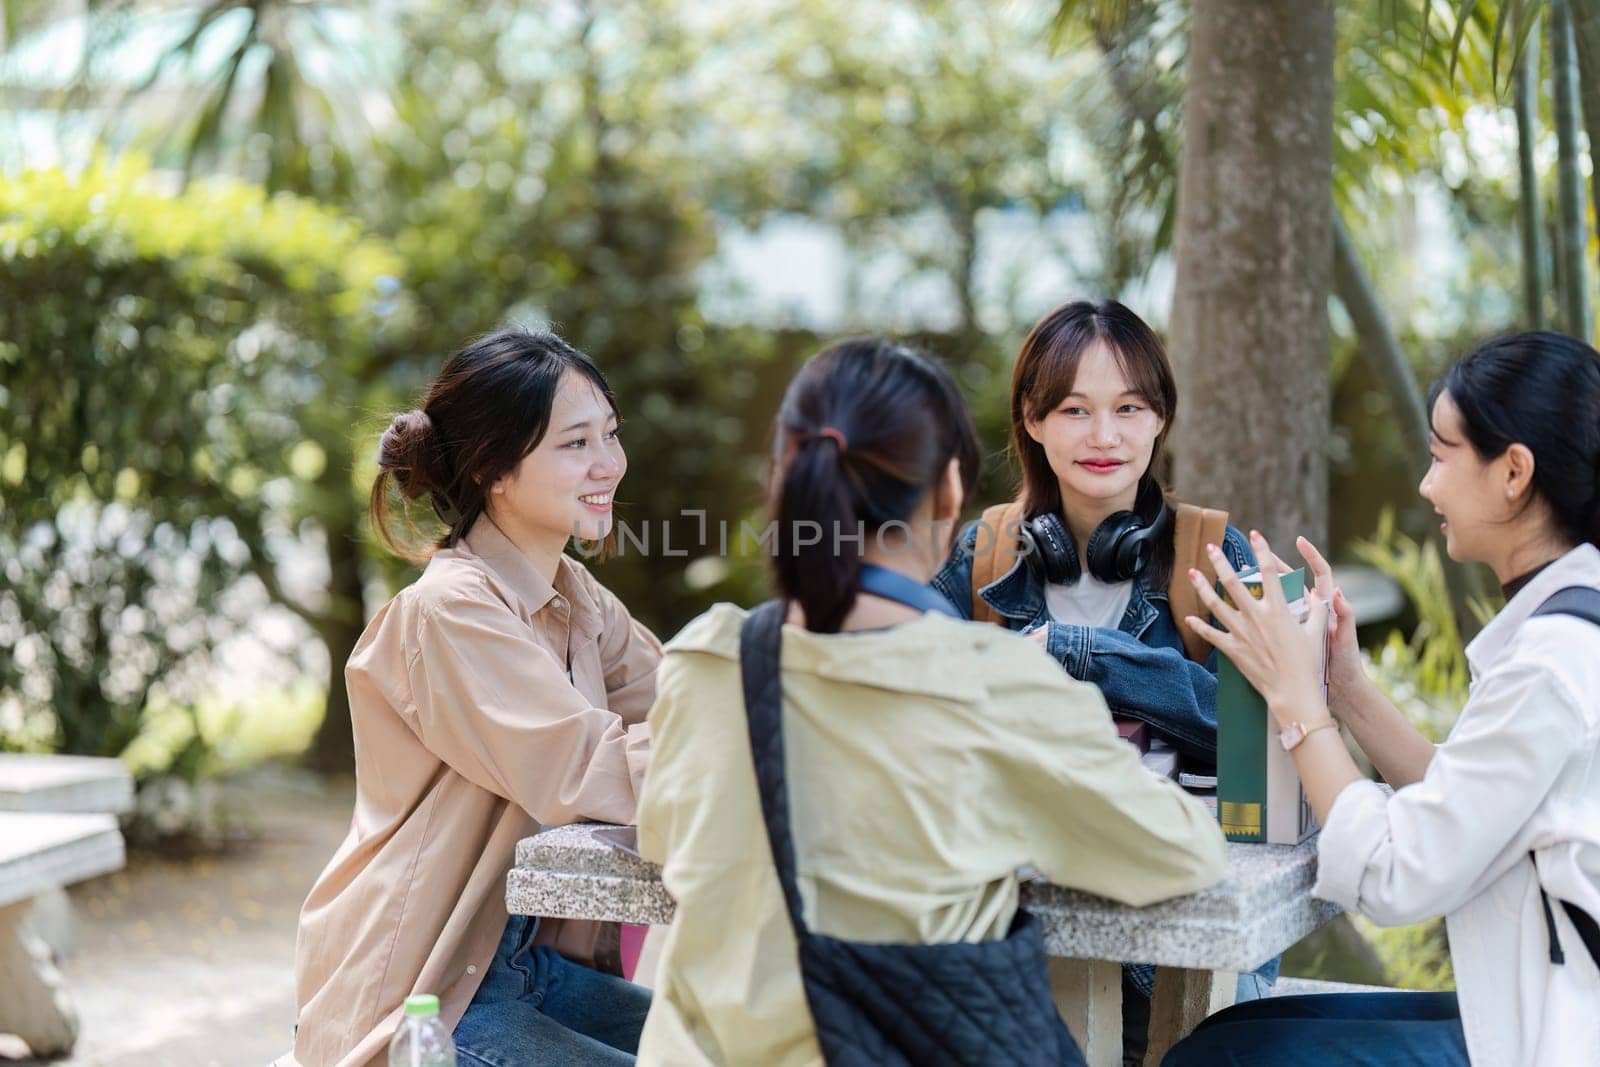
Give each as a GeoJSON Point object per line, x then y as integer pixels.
{"type": "Point", "coordinates": [1262, 906]}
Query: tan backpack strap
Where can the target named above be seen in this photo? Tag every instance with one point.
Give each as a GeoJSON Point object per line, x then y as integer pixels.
{"type": "Point", "coordinates": [994, 551]}
{"type": "Point", "coordinates": [1195, 528]}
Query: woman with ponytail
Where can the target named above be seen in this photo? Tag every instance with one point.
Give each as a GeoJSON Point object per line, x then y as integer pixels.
{"type": "Point", "coordinates": [927, 758]}
{"type": "Point", "coordinates": [502, 690]}
{"type": "Point", "coordinates": [1496, 828]}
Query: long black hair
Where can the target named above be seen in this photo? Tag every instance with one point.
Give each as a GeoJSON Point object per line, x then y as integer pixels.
{"type": "Point", "coordinates": [489, 407]}
{"type": "Point", "coordinates": [1542, 390]}
{"type": "Point", "coordinates": [866, 431]}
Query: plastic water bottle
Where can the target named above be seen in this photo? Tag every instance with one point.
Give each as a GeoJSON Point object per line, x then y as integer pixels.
{"type": "Point", "coordinates": [422, 1040]}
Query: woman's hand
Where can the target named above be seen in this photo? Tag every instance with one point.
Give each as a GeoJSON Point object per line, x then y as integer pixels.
{"type": "Point", "coordinates": [1281, 657]}
{"type": "Point", "coordinates": [1345, 673]}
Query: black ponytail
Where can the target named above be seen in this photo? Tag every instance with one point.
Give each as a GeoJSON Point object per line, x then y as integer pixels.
{"type": "Point", "coordinates": [866, 431]}
{"type": "Point", "coordinates": [1542, 390]}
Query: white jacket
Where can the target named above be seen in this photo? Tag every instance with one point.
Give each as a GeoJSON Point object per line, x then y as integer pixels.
{"type": "Point", "coordinates": [1519, 773]}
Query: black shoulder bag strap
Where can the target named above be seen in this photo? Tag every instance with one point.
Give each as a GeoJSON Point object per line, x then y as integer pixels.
{"type": "Point", "coordinates": [760, 649]}
{"type": "Point", "coordinates": [1581, 602]}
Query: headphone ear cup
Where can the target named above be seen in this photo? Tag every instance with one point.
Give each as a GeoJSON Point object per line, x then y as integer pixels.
{"type": "Point", "coordinates": [1053, 547]}
{"type": "Point", "coordinates": [1122, 546]}
{"type": "Point", "coordinates": [1115, 548]}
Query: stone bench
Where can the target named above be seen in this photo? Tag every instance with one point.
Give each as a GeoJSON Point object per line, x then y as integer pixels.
{"type": "Point", "coordinates": [40, 852]}
{"type": "Point", "coordinates": [63, 784]}
{"type": "Point", "coordinates": [1198, 942]}
{"type": "Point", "coordinates": [33, 930]}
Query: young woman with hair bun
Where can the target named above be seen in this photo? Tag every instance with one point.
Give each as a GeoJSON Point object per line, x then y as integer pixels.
{"type": "Point", "coordinates": [503, 689]}
{"type": "Point", "coordinates": [927, 758]}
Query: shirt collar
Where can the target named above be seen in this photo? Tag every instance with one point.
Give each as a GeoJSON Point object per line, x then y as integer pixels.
{"type": "Point", "coordinates": [1579, 566]}
{"type": "Point", "coordinates": [525, 584]}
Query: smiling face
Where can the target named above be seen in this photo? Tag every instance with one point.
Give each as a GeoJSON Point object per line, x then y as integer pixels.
{"type": "Point", "coordinates": [564, 487]}
{"type": "Point", "coordinates": [1463, 489]}
{"type": "Point", "coordinates": [1100, 438]}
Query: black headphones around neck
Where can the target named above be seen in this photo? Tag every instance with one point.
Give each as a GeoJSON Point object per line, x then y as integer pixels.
{"type": "Point", "coordinates": [1119, 550]}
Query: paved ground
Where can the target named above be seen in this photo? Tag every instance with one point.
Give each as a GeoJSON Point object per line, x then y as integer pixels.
{"type": "Point", "coordinates": [189, 962]}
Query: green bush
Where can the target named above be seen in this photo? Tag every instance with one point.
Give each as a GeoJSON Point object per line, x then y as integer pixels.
{"type": "Point", "coordinates": [165, 369]}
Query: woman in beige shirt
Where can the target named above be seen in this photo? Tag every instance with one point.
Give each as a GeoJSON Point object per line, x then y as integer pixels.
{"type": "Point", "coordinates": [928, 758]}
{"type": "Point", "coordinates": [503, 689]}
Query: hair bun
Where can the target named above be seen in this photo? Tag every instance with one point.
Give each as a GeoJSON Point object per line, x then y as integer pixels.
{"type": "Point", "coordinates": [409, 450]}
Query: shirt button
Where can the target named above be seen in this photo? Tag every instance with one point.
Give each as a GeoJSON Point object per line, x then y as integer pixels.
{"type": "Point", "coordinates": [472, 968]}
{"type": "Point", "coordinates": [556, 601]}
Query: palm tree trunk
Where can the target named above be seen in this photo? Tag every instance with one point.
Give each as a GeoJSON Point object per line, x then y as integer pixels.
{"type": "Point", "coordinates": [1586, 35]}
{"type": "Point", "coordinates": [1254, 250]}
{"type": "Point", "coordinates": [1574, 232]}
{"type": "Point", "coordinates": [1388, 361]}
{"type": "Point", "coordinates": [1529, 207]}
{"type": "Point", "coordinates": [1378, 342]}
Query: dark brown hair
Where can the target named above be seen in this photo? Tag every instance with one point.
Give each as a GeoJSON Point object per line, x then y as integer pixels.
{"type": "Point", "coordinates": [489, 407]}
{"type": "Point", "coordinates": [1045, 373]}
{"type": "Point", "coordinates": [866, 431]}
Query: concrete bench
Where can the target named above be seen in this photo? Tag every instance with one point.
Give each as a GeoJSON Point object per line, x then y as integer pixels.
{"type": "Point", "coordinates": [63, 784]}
{"type": "Point", "coordinates": [40, 923]}
{"type": "Point", "coordinates": [1198, 942]}
{"type": "Point", "coordinates": [40, 852]}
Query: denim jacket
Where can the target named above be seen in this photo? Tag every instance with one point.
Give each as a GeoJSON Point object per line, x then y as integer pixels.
{"type": "Point", "coordinates": [1139, 667]}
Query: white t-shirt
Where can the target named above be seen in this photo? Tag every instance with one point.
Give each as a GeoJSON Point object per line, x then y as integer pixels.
{"type": "Point", "coordinates": [1088, 602]}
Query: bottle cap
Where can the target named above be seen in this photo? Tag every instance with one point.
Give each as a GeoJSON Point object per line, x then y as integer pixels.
{"type": "Point", "coordinates": [422, 1004]}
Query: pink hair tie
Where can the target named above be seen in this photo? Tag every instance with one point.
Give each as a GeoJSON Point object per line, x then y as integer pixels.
{"type": "Point", "coordinates": [834, 435]}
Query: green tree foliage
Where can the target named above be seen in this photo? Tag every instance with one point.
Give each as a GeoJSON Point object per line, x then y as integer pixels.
{"type": "Point", "coordinates": [174, 370]}
{"type": "Point", "coordinates": [551, 166]}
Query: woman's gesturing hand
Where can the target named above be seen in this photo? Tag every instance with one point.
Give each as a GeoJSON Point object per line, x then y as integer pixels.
{"type": "Point", "coordinates": [1345, 673]}
{"type": "Point", "coordinates": [1278, 655]}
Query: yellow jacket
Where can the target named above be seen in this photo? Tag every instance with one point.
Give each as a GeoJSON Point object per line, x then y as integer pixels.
{"type": "Point", "coordinates": [926, 764]}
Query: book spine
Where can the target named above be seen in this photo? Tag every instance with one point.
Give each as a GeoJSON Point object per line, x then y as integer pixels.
{"type": "Point", "coordinates": [1241, 766]}
{"type": "Point", "coordinates": [1258, 788]}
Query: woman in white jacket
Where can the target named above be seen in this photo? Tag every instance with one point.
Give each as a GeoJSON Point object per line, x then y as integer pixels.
{"type": "Point", "coordinates": [1498, 827]}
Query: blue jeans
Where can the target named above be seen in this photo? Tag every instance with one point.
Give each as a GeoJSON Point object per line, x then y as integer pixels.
{"type": "Point", "coordinates": [536, 1007]}
{"type": "Point", "coordinates": [1251, 985]}
{"type": "Point", "coordinates": [1377, 1029]}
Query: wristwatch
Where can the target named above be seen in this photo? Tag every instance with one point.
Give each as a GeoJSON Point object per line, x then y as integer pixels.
{"type": "Point", "coordinates": [1296, 732]}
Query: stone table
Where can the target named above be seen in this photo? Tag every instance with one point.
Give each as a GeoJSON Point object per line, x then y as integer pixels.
{"type": "Point", "coordinates": [39, 853]}
{"type": "Point", "coordinates": [1198, 942]}
{"type": "Point", "coordinates": [63, 784]}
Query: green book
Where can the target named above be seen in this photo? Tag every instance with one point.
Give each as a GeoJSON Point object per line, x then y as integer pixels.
{"type": "Point", "coordinates": [1259, 797]}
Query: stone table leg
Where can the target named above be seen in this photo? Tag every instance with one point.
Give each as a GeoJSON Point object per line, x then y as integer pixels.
{"type": "Point", "coordinates": [1182, 998]}
{"type": "Point", "coordinates": [34, 1005]}
{"type": "Point", "coordinates": [1088, 994]}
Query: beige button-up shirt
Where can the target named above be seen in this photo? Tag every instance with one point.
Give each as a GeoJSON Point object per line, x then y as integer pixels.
{"type": "Point", "coordinates": [926, 763]}
{"type": "Point", "coordinates": [485, 701]}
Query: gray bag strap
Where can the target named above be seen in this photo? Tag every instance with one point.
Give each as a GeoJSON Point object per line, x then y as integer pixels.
{"type": "Point", "coordinates": [1581, 602]}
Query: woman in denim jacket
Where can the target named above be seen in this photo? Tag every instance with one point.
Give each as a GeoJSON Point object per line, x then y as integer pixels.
{"type": "Point", "coordinates": [1092, 401]}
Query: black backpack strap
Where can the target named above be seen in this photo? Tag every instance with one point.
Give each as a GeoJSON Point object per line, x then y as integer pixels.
{"type": "Point", "coordinates": [760, 652]}
{"type": "Point", "coordinates": [1557, 957]}
{"type": "Point", "coordinates": [1582, 602]}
